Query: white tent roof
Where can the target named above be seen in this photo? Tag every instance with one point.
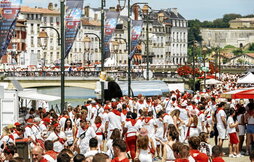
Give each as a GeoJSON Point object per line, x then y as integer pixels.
{"type": "Point", "coordinates": [211, 81]}
{"type": "Point", "coordinates": [37, 96]}
{"type": "Point", "coordinates": [248, 78]}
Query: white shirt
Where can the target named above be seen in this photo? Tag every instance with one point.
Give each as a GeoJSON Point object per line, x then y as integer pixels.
{"type": "Point", "coordinates": [230, 121]}
{"type": "Point", "coordinates": [132, 129]}
{"type": "Point", "coordinates": [150, 126]}
{"type": "Point", "coordinates": [58, 146]}
{"type": "Point", "coordinates": [114, 121]}
{"type": "Point", "coordinates": [220, 114]}
{"type": "Point", "coordinates": [90, 133]}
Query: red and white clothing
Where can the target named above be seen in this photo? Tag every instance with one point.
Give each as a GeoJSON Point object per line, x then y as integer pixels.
{"type": "Point", "coordinates": [114, 120]}
{"type": "Point", "coordinates": [58, 145]}
{"type": "Point", "coordinates": [84, 142]}
{"type": "Point", "coordinates": [99, 129]}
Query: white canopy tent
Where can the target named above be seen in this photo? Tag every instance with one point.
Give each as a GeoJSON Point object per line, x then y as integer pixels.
{"type": "Point", "coordinates": [247, 79]}
{"type": "Point", "coordinates": [211, 81]}
{"type": "Point", "coordinates": [32, 95]}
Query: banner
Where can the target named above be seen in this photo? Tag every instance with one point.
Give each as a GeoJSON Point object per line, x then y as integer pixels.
{"type": "Point", "coordinates": [109, 28]}
{"type": "Point", "coordinates": [8, 18]}
{"type": "Point", "coordinates": [72, 19]}
{"type": "Point", "coordinates": [135, 34]}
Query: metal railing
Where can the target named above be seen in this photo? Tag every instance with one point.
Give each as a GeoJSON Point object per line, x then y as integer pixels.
{"type": "Point", "coordinates": [87, 74]}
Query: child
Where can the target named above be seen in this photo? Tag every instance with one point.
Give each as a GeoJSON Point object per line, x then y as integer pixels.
{"type": "Point", "coordinates": [234, 141]}
{"type": "Point", "coordinates": [216, 154]}
{"type": "Point", "coordinates": [205, 147]}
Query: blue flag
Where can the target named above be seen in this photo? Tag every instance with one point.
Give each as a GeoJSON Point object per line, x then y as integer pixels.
{"type": "Point", "coordinates": [72, 19]}
{"type": "Point", "coordinates": [135, 34]}
{"type": "Point", "coordinates": [8, 18]}
{"type": "Point", "coordinates": [110, 26]}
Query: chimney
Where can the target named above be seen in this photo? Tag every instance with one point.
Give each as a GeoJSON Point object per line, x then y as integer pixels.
{"type": "Point", "coordinates": [50, 6]}
{"type": "Point", "coordinates": [174, 10]}
{"type": "Point", "coordinates": [135, 11]}
{"type": "Point", "coordinates": [87, 8]}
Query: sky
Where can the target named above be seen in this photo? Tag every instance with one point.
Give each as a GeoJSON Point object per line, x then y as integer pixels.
{"type": "Point", "coordinates": [190, 9]}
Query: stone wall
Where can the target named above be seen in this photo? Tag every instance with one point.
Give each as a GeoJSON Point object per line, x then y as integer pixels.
{"type": "Point", "coordinates": [222, 37]}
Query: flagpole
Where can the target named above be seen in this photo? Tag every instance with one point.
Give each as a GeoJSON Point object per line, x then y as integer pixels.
{"type": "Point", "coordinates": [129, 48]}
{"type": "Point", "coordinates": [102, 47]}
{"type": "Point", "coordinates": [62, 8]}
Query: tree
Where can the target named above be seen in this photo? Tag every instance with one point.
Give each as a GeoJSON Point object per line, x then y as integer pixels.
{"type": "Point", "coordinates": [251, 47]}
{"type": "Point", "coordinates": [194, 31]}
{"type": "Point", "coordinates": [238, 51]}
{"type": "Point", "coordinates": [228, 17]}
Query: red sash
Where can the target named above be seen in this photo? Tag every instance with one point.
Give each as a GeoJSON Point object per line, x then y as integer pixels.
{"type": "Point", "coordinates": [52, 153]}
{"type": "Point", "coordinates": [133, 122]}
{"type": "Point", "coordinates": [116, 112]}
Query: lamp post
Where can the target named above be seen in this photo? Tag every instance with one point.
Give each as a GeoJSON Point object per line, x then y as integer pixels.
{"type": "Point", "coordinates": [193, 63]}
{"type": "Point", "coordinates": [204, 50]}
{"type": "Point", "coordinates": [129, 44]}
{"type": "Point", "coordinates": [145, 11]}
{"type": "Point", "coordinates": [61, 41]}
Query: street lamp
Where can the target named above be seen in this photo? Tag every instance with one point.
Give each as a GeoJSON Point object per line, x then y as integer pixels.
{"type": "Point", "coordinates": [145, 11]}
{"type": "Point", "coordinates": [204, 50]}
{"type": "Point", "coordinates": [193, 63]}
{"type": "Point", "coordinates": [43, 42]}
{"type": "Point", "coordinates": [61, 41]}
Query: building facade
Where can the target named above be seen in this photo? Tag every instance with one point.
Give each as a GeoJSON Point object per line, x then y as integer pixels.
{"type": "Point", "coordinates": [242, 23]}
{"type": "Point", "coordinates": [226, 36]}
{"type": "Point", "coordinates": [167, 36]}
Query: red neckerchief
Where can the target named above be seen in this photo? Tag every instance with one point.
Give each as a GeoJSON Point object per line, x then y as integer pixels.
{"type": "Point", "coordinates": [94, 106]}
{"type": "Point", "coordinates": [116, 112]}
{"type": "Point", "coordinates": [182, 160]}
{"type": "Point", "coordinates": [141, 102]}
{"type": "Point", "coordinates": [155, 104]}
{"type": "Point", "coordinates": [11, 137]}
{"type": "Point", "coordinates": [166, 114]}
{"type": "Point", "coordinates": [141, 118]}
{"type": "Point", "coordinates": [84, 129]}
{"type": "Point", "coordinates": [116, 159]}
{"type": "Point", "coordinates": [128, 119]}
{"type": "Point", "coordinates": [98, 125]}
{"type": "Point", "coordinates": [200, 113]}
{"type": "Point", "coordinates": [51, 153]}
{"type": "Point", "coordinates": [44, 124]}
{"type": "Point", "coordinates": [133, 122]}
{"type": "Point", "coordinates": [218, 159]}
{"type": "Point", "coordinates": [147, 119]}
{"type": "Point", "coordinates": [29, 126]}
{"type": "Point", "coordinates": [192, 152]}
{"type": "Point", "coordinates": [220, 108]}
{"type": "Point", "coordinates": [124, 112]}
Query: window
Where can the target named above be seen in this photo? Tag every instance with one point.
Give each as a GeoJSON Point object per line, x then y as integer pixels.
{"type": "Point", "coordinates": [32, 41]}
{"type": "Point", "coordinates": [51, 20]}
{"type": "Point", "coordinates": [32, 28]}
{"type": "Point", "coordinates": [38, 28]}
{"type": "Point", "coordinates": [45, 20]}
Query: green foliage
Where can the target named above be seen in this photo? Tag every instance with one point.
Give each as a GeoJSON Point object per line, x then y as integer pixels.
{"type": "Point", "coordinates": [229, 46]}
{"type": "Point", "coordinates": [229, 17]}
{"type": "Point", "coordinates": [238, 51]}
{"type": "Point", "coordinates": [240, 61]}
{"type": "Point", "coordinates": [251, 47]}
{"type": "Point", "coordinates": [194, 31]}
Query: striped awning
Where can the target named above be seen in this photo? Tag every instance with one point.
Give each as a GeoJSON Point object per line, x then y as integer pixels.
{"type": "Point", "coordinates": [245, 93]}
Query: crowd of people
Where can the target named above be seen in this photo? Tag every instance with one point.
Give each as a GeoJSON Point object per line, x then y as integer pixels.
{"type": "Point", "coordinates": [177, 127]}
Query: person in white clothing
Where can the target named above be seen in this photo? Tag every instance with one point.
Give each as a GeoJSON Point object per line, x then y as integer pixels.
{"type": "Point", "coordinates": [84, 134]}
{"type": "Point", "coordinates": [221, 123]}
{"type": "Point", "coordinates": [58, 137]}
{"type": "Point", "coordinates": [234, 141]}
{"type": "Point", "coordinates": [113, 121]}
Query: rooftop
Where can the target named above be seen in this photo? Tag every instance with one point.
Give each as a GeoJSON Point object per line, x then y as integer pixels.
{"type": "Point", "coordinates": [26, 9]}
